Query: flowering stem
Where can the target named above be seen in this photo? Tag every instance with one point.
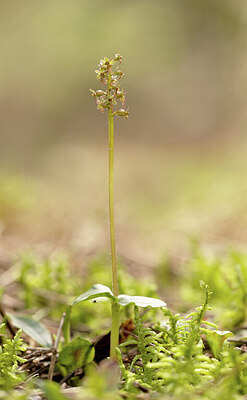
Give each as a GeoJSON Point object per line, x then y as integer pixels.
{"type": "Point", "coordinates": [115, 308]}
{"type": "Point", "coordinates": [109, 74]}
{"type": "Point", "coordinates": [111, 207]}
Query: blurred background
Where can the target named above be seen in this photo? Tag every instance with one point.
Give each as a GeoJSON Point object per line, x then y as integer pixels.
{"type": "Point", "coordinates": [180, 161]}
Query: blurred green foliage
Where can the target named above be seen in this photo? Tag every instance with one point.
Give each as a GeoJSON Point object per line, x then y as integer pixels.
{"type": "Point", "coordinates": [227, 278]}
{"type": "Point", "coordinates": [49, 284]}
{"type": "Point", "coordinates": [171, 359]}
{"type": "Point", "coordinates": [42, 280]}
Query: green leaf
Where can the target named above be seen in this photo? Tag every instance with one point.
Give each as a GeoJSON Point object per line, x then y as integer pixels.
{"type": "Point", "coordinates": [95, 291]}
{"type": "Point", "coordinates": [140, 301]}
{"type": "Point", "coordinates": [226, 334]}
{"type": "Point", "coordinates": [216, 340]}
{"type": "Point", "coordinates": [35, 329]}
{"type": "Point", "coordinates": [77, 353]}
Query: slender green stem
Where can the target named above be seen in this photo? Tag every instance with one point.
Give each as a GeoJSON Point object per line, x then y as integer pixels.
{"type": "Point", "coordinates": [111, 206]}
{"type": "Point", "coordinates": [115, 306]}
{"type": "Point", "coordinates": [114, 330]}
{"type": "Point", "coordinates": [66, 325]}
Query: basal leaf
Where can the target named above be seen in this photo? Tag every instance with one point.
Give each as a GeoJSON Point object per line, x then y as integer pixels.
{"type": "Point", "coordinates": [95, 291]}
{"type": "Point", "coordinates": [140, 301]}
{"type": "Point", "coordinates": [35, 329]}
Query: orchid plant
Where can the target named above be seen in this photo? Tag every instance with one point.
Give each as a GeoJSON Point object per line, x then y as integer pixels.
{"type": "Point", "coordinates": [112, 99]}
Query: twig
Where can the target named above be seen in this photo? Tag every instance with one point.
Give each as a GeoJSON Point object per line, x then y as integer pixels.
{"type": "Point", "coordinates": [138, 385]}
{"type": "Point", "coordinates": [41, 349]}
{"type": "Point", "coordinates": [53, 357]}
{"type": "Point", "coordinates": [8, 323]}
{"type": "Point", "coordinates": [38, 353]}
{"type": "Point", "coordinates": [241, 341]}
{"type": "Point", "coordinates": [36, 373]}
{"type": "Point", "coordinates": [76, 372]}
{"type": "Point", "coordinates": [129, 333]}
{"type": "Point", "coordinates": [37, 359]}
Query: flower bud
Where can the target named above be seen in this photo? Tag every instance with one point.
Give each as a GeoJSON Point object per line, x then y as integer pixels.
{"type": "Point", "coordinates": [122, 113]}
{"type": "Point", "coordinates": [120, 94]}
{"type": "Point", "coordinates": [93, 92]}
{"type": "Point", "coordinates": [119, 73]}
{"type": "Point", "coordinates": [99, 93]}
{"type": "Point", "coordinates": [118, 58]}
